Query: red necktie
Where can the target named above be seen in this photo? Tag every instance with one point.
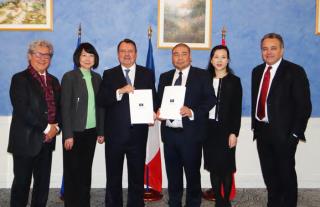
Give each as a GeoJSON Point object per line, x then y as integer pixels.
{"type": "Point", "coordinates": [263, 94]}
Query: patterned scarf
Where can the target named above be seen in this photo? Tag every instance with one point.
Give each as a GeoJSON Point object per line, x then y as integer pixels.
{"type": "Point", "coordinates": [48, 92]}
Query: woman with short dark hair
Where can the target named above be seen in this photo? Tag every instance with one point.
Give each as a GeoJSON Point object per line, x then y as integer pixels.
{"type": "Point", "coordinates": [83, 124]}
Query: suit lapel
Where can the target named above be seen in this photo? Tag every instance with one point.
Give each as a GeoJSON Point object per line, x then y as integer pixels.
{"type": "Point", "coordinates": [277, 78]}
{"type": "Point", "coordinates": [188, 85]}
{"type": "Point", "coordinates": [95, 81]}
{"type": "Point", "coordinates": [171, 76]}
{"type": "Point", "coordinates": [35, 85]}
{"type": "Point", "coordinates": [119, 77]}
{"type": "Point", "coordinates": [257, 79]}
{"type": "Point", "coordinates": [80, 78]}
{"type": "Point", "coordinates": [190, 77]}
{"type": "Point", "coordinates": [56, 90]}
{"type": "Point", "coordinates": [138, 78]}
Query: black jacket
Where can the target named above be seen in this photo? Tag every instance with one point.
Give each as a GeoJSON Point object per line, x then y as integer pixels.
{"type": "Point", "coordinates": [29, 116]}
{"type": "Point", "coordinates": [288, 101]}
{"type": "Point", "coordinates": [118, 128]}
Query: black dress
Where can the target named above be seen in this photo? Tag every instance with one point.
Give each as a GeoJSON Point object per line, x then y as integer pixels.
{"type": "Point", "coordinates": [218, 157]}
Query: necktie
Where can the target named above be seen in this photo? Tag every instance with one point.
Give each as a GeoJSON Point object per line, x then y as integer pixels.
{"type": "Point", "coordinates": [178, 80]}
{"type": "Point", "coordinates": [263, 94]}
{"type": "Point", "coordinates": [127, 76]}
{"type": "Point", "coordinates": [43, 80]}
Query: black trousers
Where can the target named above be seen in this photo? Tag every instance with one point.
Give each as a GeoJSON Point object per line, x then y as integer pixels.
{"type": "Point", "coordinates": [135, 153]}
{"type": "Point", "coordinates": [24, 168]}
{"type": "Point", "coordinates": [182, 155]}
{"type": "Point", "coordinates": [277, 160]}
{"type": "Point", "coordinates": [77, 164]}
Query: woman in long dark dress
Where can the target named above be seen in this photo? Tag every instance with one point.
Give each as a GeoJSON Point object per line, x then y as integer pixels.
{"type": "Point", "coordinates": [223, 125]}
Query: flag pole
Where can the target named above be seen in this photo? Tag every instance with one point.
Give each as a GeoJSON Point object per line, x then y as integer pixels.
{"type": "Point", "coordinates": [147, 167]}
{"type": "Point", "coordinates": [74, 67]}
{"type": "Point", "coordinates": [78, 41]}
{"type": "Point", "coordinates": [149, 193]}
{"type": "Point", "coordinates": [223, 34]}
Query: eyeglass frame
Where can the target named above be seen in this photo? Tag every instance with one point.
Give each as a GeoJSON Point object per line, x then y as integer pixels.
{"type": "Point", "coordinates": [46, 56]}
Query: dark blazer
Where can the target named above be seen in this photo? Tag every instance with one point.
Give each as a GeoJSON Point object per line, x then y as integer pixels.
{"type": "Point", "coordinates": [199, 97]}
{"type": "Point", "coordinates": [228, 120]}
{"type": "Point", "coordinates": [74, 103]}
{"type": "Point", "coordinates": [117, 114]}
{"type": "Point", "coordinates": [229, 105]}
{"type": "Point", "coordinates": [29, 116]}
{"type": "Point", "coordinates": [288, 102]}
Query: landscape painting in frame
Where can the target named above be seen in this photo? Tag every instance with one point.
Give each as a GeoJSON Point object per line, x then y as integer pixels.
{"type": "Point", "coordinates": [187, 21]}
{"type": "Point", "coordinates": [26, 15]}
{"type": "Point", "coordinates": [318, 17]}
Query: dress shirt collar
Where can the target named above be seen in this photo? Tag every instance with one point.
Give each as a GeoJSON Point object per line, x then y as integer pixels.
{"type": "Point", "coordinates": [184, 71]}
{"type": "Point", "coordinates": [44, 73]}
{"type": "Point", "coordinates": [132, 68]}
{"type": "Point", "coordinates": [274, 66]}
{"type": "Point", "coordinates": [132, 72]}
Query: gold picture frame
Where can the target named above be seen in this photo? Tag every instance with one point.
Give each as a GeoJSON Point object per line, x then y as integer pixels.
{"type": "Point", "coordinates": [187, 21]}
{"type": "Point", "coordinates": [26, 15]}
{"type": "Point", "coordinates": [318, 17]}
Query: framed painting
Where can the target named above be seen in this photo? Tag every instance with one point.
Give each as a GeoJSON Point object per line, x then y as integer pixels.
{"type": "Point", "coordinates": [26, 15]}
{"type": "Point", "coordinates": [318, 17]}
{"type": "Point", "coordinates": [187, 21]}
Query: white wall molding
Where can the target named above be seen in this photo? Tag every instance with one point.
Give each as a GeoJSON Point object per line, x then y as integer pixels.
{"type": "Point", "coordinates": [248, 168]}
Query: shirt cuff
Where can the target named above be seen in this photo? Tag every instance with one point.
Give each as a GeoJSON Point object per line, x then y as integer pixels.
{"type": "Point", "coordinates": [47, 129]}
{"type": "Point", "coordinates": [191, 118]}
{"type": "Point", "coordinates": [58, 129]}
{"type": "Point", "coordinates": [118, 95]}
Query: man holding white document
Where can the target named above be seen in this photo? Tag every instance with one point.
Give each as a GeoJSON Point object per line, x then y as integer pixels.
{"type": "Point", "coordinates": [186, 97]}
{"type": "Point", "coordinates": [127, 92]}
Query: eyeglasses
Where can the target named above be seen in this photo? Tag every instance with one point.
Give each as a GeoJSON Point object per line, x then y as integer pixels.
{"type": "Point", "coordinates": [45, 56]}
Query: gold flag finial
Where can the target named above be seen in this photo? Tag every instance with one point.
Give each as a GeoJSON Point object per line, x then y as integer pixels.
{"type": "Point", "coordinates": [150, 32]}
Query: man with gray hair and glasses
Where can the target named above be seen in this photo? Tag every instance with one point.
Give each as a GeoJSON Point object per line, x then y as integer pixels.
{"type": "Point", "coordinates": [34, 95]}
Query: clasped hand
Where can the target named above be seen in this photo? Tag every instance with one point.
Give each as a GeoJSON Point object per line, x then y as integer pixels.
{"type": "Point", "coordinates": [52, 133]}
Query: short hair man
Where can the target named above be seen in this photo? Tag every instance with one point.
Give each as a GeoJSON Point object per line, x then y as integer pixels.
{"type": "Point", "coordinates": [122, 137]}
{"type": "Point", "coordinates": [183, 138]}
{"type": "Point", "coordinates": [35, 98]}
{"type": "Point", "coordinates": [281, 107]}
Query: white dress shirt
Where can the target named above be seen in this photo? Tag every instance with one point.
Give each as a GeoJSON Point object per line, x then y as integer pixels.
{"type": "Point", "coordinates": [272, 73]}
{"type": "Point", "coordinates": [215, 84]}
{"type": "Point", "coordinates": [185, 73]}
{"type": "Point", "coordinates": [131, 74]}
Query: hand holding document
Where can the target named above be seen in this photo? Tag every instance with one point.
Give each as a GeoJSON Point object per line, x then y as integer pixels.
{"type": "Point", "coordinates": [141, 107]}
{"type": "Point", "coordinates": [172, 101]}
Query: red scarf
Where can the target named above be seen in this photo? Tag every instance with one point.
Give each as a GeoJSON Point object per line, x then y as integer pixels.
{"type": "Point", "coordinates": [48, 93]}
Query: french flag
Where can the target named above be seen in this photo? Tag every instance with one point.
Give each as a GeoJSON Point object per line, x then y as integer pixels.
{"type": "Point", "coordinates": [153, 171]}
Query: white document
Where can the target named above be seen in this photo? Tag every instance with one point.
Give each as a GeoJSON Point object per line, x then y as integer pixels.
{"type": "Point", "coordinates": [172, 101]}
{"type": "Point", "coordinates": [141, 106]}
